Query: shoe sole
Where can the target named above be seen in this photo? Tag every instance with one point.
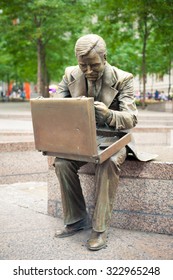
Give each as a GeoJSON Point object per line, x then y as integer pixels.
{"type": "Point", "coordinates": [67, 234]}
{"type": "Point", "coordinates": [96, 248]}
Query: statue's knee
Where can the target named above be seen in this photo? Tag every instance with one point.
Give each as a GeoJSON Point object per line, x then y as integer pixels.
{"type": "Point", "coordinates": [114, 165]}
{"type": "Point", "coordinates": [118, 159]}
{"type": "Point", "coordinates": [61, 164]}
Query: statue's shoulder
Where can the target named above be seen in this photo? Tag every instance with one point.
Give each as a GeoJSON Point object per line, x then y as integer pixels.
{"type": "Point", "coordinates": [121, 74]}
{"type": "Point", "coordinates": [72, 71]}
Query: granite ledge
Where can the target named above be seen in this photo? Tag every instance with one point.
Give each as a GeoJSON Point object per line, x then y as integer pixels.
{"type": "Point", "coordinates": [134, 169]}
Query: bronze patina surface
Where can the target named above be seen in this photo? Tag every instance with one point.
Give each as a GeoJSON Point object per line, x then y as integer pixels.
{"type": "Point", "coordinates": [112, 92]}
{"type": "Point", "coordinates": [61, 126]}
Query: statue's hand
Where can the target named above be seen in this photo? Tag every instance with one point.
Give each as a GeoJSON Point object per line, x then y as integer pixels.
{"type": "Point", "coordinates": [103, 113]}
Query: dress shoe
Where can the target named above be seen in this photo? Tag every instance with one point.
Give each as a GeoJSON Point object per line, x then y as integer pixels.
{"type": "Point", "coordinates": [74, 228]}
{"type": "Point", "coordinates": [97, 240]}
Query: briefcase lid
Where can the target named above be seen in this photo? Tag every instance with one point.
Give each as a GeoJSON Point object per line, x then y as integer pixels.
{"type": "Point", "coordinates": [65, 126]}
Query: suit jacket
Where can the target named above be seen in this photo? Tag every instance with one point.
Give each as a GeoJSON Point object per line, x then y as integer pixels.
{"type": "Point", "coordinates": [116, 92]}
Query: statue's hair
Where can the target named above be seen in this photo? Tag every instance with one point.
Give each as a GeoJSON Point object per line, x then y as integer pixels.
{"type": "Point", "coordinates": [90, 42]}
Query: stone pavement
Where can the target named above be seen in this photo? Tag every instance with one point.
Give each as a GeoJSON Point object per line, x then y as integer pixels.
{"type": "Point", "coordinates": [26, 230]}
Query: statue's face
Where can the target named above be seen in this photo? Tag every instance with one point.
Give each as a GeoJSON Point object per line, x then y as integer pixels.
{"type": "Point", "coordinates": [91, 65]}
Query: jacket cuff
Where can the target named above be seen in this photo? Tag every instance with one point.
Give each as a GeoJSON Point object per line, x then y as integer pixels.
{"type": "Point", "coordinates": [109, 118]}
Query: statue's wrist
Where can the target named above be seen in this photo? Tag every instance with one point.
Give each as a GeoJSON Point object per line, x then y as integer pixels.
{"type": "Point", "coordinates": [109, 118]}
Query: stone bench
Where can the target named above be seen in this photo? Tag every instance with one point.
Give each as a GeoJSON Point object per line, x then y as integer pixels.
{"type": "Point", "coordinates": [144, 199]}
{"type": "Point", "coordinates": [163, 106]}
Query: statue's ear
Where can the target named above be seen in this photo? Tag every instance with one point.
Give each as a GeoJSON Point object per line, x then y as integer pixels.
{"type": "Point", "coordinates": [105, 58]}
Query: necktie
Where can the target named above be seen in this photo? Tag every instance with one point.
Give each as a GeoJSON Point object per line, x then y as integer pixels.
{"type": "Point", "coordinates": [91, 88]}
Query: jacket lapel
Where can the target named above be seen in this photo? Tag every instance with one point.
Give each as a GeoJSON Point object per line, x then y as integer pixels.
{"type": "Point", "coordinates": [78, 85]}
{"type": "Point", "coordinates": [108, 91]}
{"type": "Point", "coordinates": [107, 95]}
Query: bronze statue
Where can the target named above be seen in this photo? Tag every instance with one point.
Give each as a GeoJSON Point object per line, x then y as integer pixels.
{"type": "Point", "coordinates": [112, 90]}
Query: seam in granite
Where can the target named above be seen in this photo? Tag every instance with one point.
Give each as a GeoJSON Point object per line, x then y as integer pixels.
{"type": "Point", "coordinates": [131, 212]}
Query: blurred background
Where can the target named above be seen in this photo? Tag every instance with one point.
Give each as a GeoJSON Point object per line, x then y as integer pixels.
{"type": "Point", "coordinates": [37, 39]}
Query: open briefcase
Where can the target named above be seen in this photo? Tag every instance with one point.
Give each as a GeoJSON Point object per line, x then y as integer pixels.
{"type": "Point", "coordinates": [66, 128]}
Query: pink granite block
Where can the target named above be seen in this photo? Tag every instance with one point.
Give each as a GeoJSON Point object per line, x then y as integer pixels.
{"type": "Point", "coordinates": [153, 169]}
{"type": "Point", "coordinates": [147, 223]}
{"type": "Point", "coordinates": [144, 199]}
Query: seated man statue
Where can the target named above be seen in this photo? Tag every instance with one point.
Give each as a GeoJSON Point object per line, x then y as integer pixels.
{"type": "Point", "coordinates": [113, 94]}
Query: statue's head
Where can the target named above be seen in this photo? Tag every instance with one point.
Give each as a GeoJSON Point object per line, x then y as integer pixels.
{"type": "Point", "coordinates": [90, 43]}
{"type": "Point", "coordinates": [90, 51]}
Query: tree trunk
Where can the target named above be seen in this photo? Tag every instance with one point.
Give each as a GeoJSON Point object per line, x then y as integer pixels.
{"type": "Point", "coordinates": [169, 86]}
{"type": "Point", "coordinates": [169, 73]}
{"type": "Point", "coordinates": [42, 76]}
{"type": "Point", "coordinates": [144, 72]}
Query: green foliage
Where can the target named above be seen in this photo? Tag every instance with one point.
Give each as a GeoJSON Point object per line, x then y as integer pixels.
{"type": "Point", "coordinates": [59, 23]}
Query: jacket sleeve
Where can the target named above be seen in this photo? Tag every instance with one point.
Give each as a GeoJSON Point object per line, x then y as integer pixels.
{"type": "Point", "coordinates": [126, 116]}
{"type": "Point", "coordinates": [63, 89]}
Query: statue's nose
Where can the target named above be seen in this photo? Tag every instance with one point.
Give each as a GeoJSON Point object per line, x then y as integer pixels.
{"type": "Point", "coordinates": [89, 70]}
